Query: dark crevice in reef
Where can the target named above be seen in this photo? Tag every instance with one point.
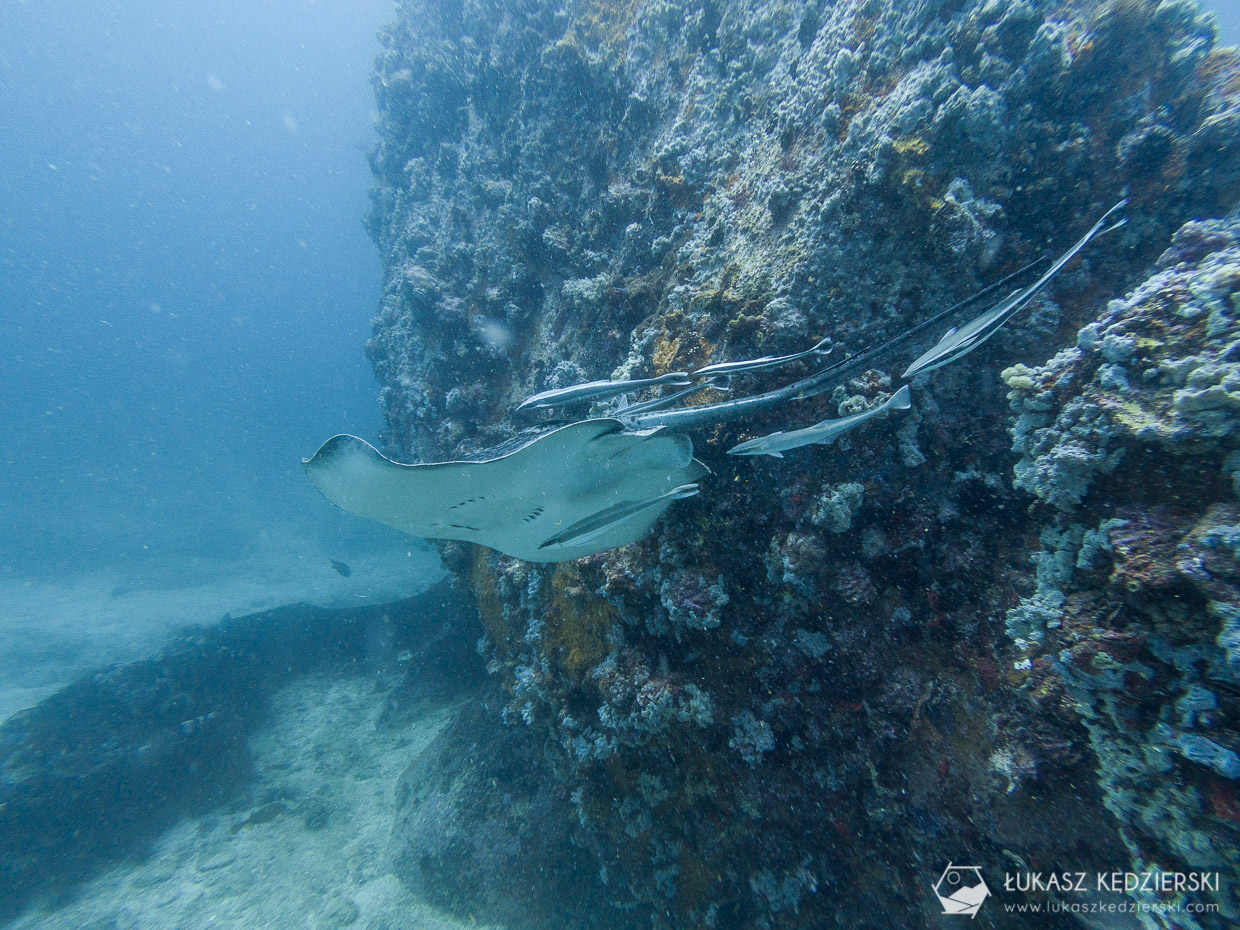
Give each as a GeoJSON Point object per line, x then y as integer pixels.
{"type": "Point", "coordinates": [1003, 629]}
{"type": "Point", "coordinates": [95, 772]}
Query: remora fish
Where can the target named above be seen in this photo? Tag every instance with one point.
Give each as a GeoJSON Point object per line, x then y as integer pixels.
{"type": "Point", "coordinates": [823, 433]}
{"type": "Point", "coordinates": [960, 341]}
{"type": "Point", "coordinates": [817, 383]}
{"type": "Point", "coordinates": [585, 531]}
{"type": "Point", "coordinates": [597, 390]}
{"type": "Point", "coordinates": [761, 364]}
{"type": "Point", "coordinates": [721, 383]}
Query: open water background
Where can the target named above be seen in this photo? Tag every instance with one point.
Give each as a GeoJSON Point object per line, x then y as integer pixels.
{"type": "Point", "coordinates": [185, 284]}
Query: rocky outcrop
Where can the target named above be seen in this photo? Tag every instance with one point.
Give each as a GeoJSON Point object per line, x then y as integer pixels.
{"type": "Point", "coordinates": [825, 676]}
{"type": "Point", "coordinates": [1131, 436]}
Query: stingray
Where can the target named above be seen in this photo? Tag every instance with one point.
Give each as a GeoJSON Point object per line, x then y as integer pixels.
{"type": "Point", "coordinates": [568, 492]}
{"type": "Point", "coordinates": [562, 494]}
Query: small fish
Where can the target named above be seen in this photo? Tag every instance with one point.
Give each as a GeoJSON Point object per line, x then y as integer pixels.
{"type": "Point", "coordinates": [342, 568]}
{"type": "Point", "coordinates": [195, 724]}
{"type": "Point", "coordinates": [260, 815]}
{"type": "Point", "coordinates": [597, 390]}
{"type": "Point", "coordinates": [721, 383]}
{"type": "Point", "coordinates": [823, 433]}
{"type": "Point", "coordinates": [583, 530]}
{"type": "Point", "coordinates": [823, 347]}
{"type": "Point", "coordinates": [960, 341]}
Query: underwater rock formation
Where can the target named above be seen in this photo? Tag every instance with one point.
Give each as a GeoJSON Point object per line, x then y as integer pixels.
{"type": "Point", "coordinates": [1132, 436]}
{"type": "Point", "coordinates": [829, 674]}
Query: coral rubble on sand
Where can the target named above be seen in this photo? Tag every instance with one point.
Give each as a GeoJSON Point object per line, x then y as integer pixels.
{"type": "Point", "coordinates": [835, 672]}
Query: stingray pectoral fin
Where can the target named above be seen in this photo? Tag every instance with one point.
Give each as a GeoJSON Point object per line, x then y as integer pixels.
{"type": "Point", "coordinates": [446, 501]}
{"type": "Point", "coordinates": [619, 521]}
{"type": "Point", "coordinates": [355, 476]}
{"type": "Point", "coordinates": [696, 471]}
{"type": "Point", "coordinates": [658, 450]}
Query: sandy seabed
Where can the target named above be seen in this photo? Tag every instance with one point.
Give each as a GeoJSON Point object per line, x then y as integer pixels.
{"type": "Point", "coordinates": [306, 843]}
{"type": "Point", "coordinates": [305, 846]}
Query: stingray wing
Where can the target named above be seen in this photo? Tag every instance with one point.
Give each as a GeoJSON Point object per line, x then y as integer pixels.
{"type": "Point", "coordinates": [516, 502]}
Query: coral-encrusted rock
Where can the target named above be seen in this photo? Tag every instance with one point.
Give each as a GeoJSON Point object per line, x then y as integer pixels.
{"type": "Point", "coordinates": [583, 190]}
{"type": "Point", "coordinates": [1142, 618]}
{"type": "Point", "coordinates": [1157, 371]}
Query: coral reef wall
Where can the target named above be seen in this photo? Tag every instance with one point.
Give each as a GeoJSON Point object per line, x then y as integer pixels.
{"type": "Point", "coordinates": [827, 675]}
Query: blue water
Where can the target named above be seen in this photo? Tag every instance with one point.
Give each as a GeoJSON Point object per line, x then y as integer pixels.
{"type": "Point", "coordinates": [1228, 15]}
{"type": "Point", "coordinates": [186, 289]}
{"type": "Point", "coordinates": [185, 284]}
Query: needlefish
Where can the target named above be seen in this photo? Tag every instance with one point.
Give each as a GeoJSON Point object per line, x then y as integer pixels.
{"type": "Point", "coordinates": [625, 409]}
{"type": "Point", "coordinates": [642, 416]}
{"type": "Point", "coordinates": [823, 433]}
{"type": "Point", "coordinates": [960, 341]}
{"type": "Point", "coordinates": [598, 390]}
